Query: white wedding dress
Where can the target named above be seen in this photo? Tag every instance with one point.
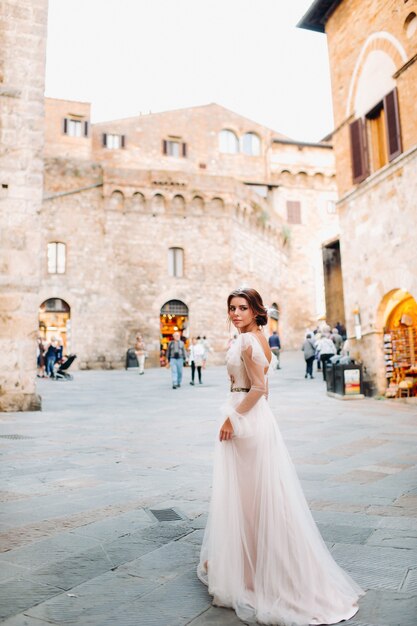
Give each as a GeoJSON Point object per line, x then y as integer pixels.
{"type": "Point", "coordinates": [262, 553]}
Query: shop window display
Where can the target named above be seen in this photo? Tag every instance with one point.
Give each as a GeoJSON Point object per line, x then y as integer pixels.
{"type": "Point", "coordinates": [400, 350]}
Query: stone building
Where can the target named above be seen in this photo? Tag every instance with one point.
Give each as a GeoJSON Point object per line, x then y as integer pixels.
{"type": "Point", "coordinates": [149, 222]}
{"type": "Point", "coordinates": [22, 69]}
{"type": "Point", "coordinates": [373, 54]}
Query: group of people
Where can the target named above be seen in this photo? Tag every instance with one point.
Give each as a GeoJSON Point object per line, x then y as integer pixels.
{"type": "Point", "coordinates": [177, 355]}
{"type": "Point", "coordinates": [321, 345]}
{"type": "Point", "coordinates": [196, 355]}
{"type": "Point", "coordinates": [48, 355]}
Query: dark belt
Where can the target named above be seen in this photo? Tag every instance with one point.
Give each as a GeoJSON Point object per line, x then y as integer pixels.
{"type": "Point", "coordinates": [239, 389]}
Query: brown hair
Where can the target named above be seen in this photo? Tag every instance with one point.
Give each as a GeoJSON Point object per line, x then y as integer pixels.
{"type": "Point", "coordinates": [254, 300]}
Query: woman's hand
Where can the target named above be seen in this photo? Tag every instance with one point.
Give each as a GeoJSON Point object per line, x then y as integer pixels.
{"type": "Point", "coordinates": [226, 431]}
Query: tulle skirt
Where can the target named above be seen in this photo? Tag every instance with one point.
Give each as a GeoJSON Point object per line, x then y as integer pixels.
{"type": "Point", "coordinates": [262, 553]}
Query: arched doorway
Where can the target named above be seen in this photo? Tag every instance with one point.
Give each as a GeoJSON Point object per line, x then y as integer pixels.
{"type": "Point", "coordinates": [399, 316]}
{"type": "Point", "coordinates": [55, 322]}
{"type": "Point", "coordinates": [173, 317]}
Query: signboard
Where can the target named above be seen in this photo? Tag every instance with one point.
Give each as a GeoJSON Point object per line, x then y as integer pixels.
{"type": "Point", "coordinates": [352, 382]}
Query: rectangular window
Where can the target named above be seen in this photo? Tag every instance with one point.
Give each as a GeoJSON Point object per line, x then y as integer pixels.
{"type": "Point", "coordinates": [113, 142]}
{"type": "Point", "coordinates": [382, 131]}
{"type": "Point", "coordinates": [75, 127]}
{"type": "Point", "coordinates": [293, 212]}
{"type": "Point", "coordinates": [376, 122]}
{"type": "Point", "coordinates": [176, 262]}
{"type": "Point", "coordinates": [174, 148]}
{"type": "Point", "coordinates": [56, 258]}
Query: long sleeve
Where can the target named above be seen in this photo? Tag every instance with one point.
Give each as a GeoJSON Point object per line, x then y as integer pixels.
{"type": "Point", "coordinates": [256, 375]}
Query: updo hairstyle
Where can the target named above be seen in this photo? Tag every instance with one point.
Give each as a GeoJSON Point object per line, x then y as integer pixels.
{"type": "Point", "coordinates": [255, 302]}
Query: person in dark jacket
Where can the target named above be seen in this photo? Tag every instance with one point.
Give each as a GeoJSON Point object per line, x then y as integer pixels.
{"type": "Point", "coordinates": [50, 359]}
{"type": "Point", "coordinates": [309, 349]}
{"type": "Point", "coordinates": [176, 355]}
{"type": "Point", "coordinates": [275, 345]}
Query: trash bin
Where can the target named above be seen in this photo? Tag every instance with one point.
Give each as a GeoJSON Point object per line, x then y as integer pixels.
{"type": "Point", "coordinates": [329, 376]}
{"type": "Point", "coordinates": [131, 359]}
{"type": "Point", "coordinates": [348, 379]}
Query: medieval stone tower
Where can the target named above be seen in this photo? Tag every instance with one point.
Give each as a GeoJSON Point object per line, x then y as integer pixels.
{"type": "Point", "coordinates": [23, 26]}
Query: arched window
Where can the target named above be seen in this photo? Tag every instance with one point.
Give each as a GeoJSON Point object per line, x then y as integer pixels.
{"type": "Point", "coordinates": [217, 204]}
{"type": "Point", "coordinates": [251, 144]}
{"type": "Point", "coordinates": [198, 204]}
{"type": "Point", "coordinates": [117, 200]}
{"type": "Point", "coordinates": [158, 203]}
{"type": "Point", "coordinates": [138, 201]}
{"type": "Point", "coordinates": [176, 262]}
{"type": "Point", "coordinates": [178, 204]}
{"type": "Point", "coordinates": [56, 257]}
{"type": "Point", "coordinates": [228, 142]}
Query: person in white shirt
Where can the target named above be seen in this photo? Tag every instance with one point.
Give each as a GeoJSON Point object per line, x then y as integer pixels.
{"type": "Point", "coordinates": [196, 358]}
{"type": "Point", "coordinates": [327, 349]}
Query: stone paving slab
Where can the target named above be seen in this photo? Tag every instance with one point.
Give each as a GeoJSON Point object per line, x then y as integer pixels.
{"type": "Point", "coordinates": [17, 595]}
{"type": "Point", "coordinates": [81, 548]}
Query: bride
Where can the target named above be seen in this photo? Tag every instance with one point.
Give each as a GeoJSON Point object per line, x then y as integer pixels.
{"type": "Point", "coordinates": [262, 554]}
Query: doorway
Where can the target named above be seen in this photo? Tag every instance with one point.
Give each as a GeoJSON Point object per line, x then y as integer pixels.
{"type": "Point", "coordinates": [400, 343]}
{"type": "Point", "coordinates": [173, 317]}
{"type": "Point", "coordinates": [55, 322]}
{"type": "Point", "coordinates": [333, 284]}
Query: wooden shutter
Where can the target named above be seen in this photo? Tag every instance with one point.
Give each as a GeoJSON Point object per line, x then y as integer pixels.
{"type": "Point", "coordinates": [65, 126]}
{"type": "Point", "coordinates": [164, 147]}
{"type": "Point", "coordinates": [359, 150]}
{"type": "Point", "coordinates": [393, 128]}
{"type": "Point", "coordinates": [104, 140]}
{"type": "Point", "coordinates": [85, 129]}
{"type": "Point", "coordinates": [293, 212]}
{"type": "Point", "coordinates": [184, 149]}
{"type": "Point", "coordinates": [123, 141]}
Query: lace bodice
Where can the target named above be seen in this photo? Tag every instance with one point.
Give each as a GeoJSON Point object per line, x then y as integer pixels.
{"type": "Point", "coordinates": [248, 367]}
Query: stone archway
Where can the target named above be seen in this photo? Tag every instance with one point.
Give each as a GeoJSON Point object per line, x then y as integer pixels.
{"type": "Point", "coordinates": [173, 317]}
{"type": "Point", "coordinates": [55, 322]}
{"type": "Point", "coordinates": [397, 316]}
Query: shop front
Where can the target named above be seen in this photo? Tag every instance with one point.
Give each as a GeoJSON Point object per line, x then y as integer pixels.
{"type": "Point", "coordinates": [173, 318]}
{"type": "Point", "coordinates": [400, 345]}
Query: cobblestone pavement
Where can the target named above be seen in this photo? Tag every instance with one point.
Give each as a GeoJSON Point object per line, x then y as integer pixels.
{"type": "Point", "coordinates": [79, 544]}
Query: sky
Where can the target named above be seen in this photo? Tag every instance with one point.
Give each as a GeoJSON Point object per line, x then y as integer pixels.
{"type": "Point", "coordinates": [128, 57]}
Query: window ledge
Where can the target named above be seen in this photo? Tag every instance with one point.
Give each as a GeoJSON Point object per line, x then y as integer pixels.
{"type": "Point", "coordinates": [374, 178]}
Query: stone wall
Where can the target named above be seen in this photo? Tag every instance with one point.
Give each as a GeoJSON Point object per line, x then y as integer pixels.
{"type": "Point", "coordinates": [116, 280]}
{"type": "Point", "coordinates": [378, 252]}
{"type": "Point", "coordinates": [121, 210]}
{"type": "Point", "coordinates": [22, 69]}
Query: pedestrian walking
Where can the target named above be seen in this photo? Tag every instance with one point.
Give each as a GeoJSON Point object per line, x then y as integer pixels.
{"type": "Point", "coordinates": [337, 340]}
{"type": "Point", "coordinates": [50, 359]}
{"type": "Point", "coordinates": [40, 358]}
{"type": "Point", "coordinates": [207, 349]}
{"type": "Point", "coordinates": [176, 355]}
{"type": "Point", "coordinates": [309, 350]}
{"type": "Point", "coordinates": [327, 349]}
{"type": "Point", "coordinates": [275, 345]}
{"type": "Point", "coordinates": [262, 554]}
{"type": "Point", "coordinates": [196, 359]}
{"type": "Point", "coordinates": [140, 351]}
